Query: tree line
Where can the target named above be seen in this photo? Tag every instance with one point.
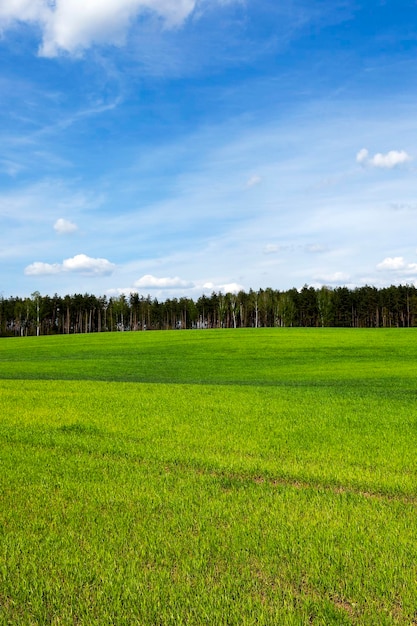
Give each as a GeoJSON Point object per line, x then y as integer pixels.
{"type": "Point", "coordinates": [362, 307]}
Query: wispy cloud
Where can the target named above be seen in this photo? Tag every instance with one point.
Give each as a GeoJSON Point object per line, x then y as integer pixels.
{"type": "Point", "coordinates": [253, 181]}
{"type": "Point", "coordinates": [230, 178]}
{"type": "Point", "coordinates": [314, 248]}
{"type": "Point", "coordinates": [336, 278]}
{"type": "Point", "coordinates": [71, 26]}
{"type": "Point", "coordinates": [271, 248]}
{"type": "Point", "coordinates": [12, 168]}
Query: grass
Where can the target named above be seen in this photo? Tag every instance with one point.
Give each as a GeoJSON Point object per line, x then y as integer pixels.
{"type": "Point", "coordinates": [260, 476]}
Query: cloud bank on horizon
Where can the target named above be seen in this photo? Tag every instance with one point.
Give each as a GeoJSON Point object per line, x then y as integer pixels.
{"type": "Point", "coordinates": [189, 146]}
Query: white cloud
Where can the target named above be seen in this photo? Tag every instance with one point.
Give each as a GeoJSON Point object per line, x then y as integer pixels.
{"type": "Point", "coordinates": [85, 264]}
{"type": "Point", "coordinates": [385, 161]}
{"type": "Point", "coordinates": [225, 288]}
{"type": "Point", "coordinates": [253, 181]}
{"type": "Point", "coordinates": [391, 159]}
{"type": "Point", "coordinates": [42, 269]}
{"type": "Point", "coordinates": [74, 25]}
{"type": "Point", "coordinates": [271, 248]}
{"type": "Point", "coordinates": [23, 10]}
{"type": "Point", "coordinates": [64, 227]}
{"type": "Point", "coordinates": [339, 278]}
{"type": "Point", "coordinates": [230, 288]}
{"type": "Point", "coordinates": [362, 155]}
{"type": "Point", "coordinates": [152, 282]}
{"type": "Point", "coordinates": [399, 267]}
{"type": "Point", "coordinates": [121, 291]}
{"type": "Point", "coordinates": [80, 263]}
{"type": "Point", "coordinates": [314, 248]}
{"type": "Point", "coordinates": [311, 248]}
{"type": "Point", "coordinates": [392, 263]}
{"type": "Point", "coordinates": [166, 284]}
{"type": "Point", "coordinates": [169, 287]}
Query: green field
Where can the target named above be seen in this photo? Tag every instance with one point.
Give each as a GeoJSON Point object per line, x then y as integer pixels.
{"type": "Point", "coordinates": [230, 477]}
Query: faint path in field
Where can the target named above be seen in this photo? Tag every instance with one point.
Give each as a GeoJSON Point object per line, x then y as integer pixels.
{"type": "Point", "coordinates": [296, 483]}
{"type": "Point", "coordinates": [82, 441]}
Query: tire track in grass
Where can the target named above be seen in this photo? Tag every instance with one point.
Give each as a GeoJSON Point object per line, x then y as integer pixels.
{"type": "Point", "coordinates": [230, 479]}
{"type": "Point", "coordinates": [296, 483]}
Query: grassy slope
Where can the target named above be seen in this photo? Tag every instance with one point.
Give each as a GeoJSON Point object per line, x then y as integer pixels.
{"type": "Point", "coordinates": [242, 477]}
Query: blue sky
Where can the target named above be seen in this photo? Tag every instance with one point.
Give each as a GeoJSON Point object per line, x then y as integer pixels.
{"type": "Point", "coordinates": [176, 147]}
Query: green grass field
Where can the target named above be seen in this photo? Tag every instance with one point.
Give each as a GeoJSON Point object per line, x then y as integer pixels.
{"type": "Point", "coordinates": [242, 477]}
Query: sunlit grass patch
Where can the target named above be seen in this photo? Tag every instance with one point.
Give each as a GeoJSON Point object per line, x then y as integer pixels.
{"type": "Point", "coordinates": [287, 497]}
